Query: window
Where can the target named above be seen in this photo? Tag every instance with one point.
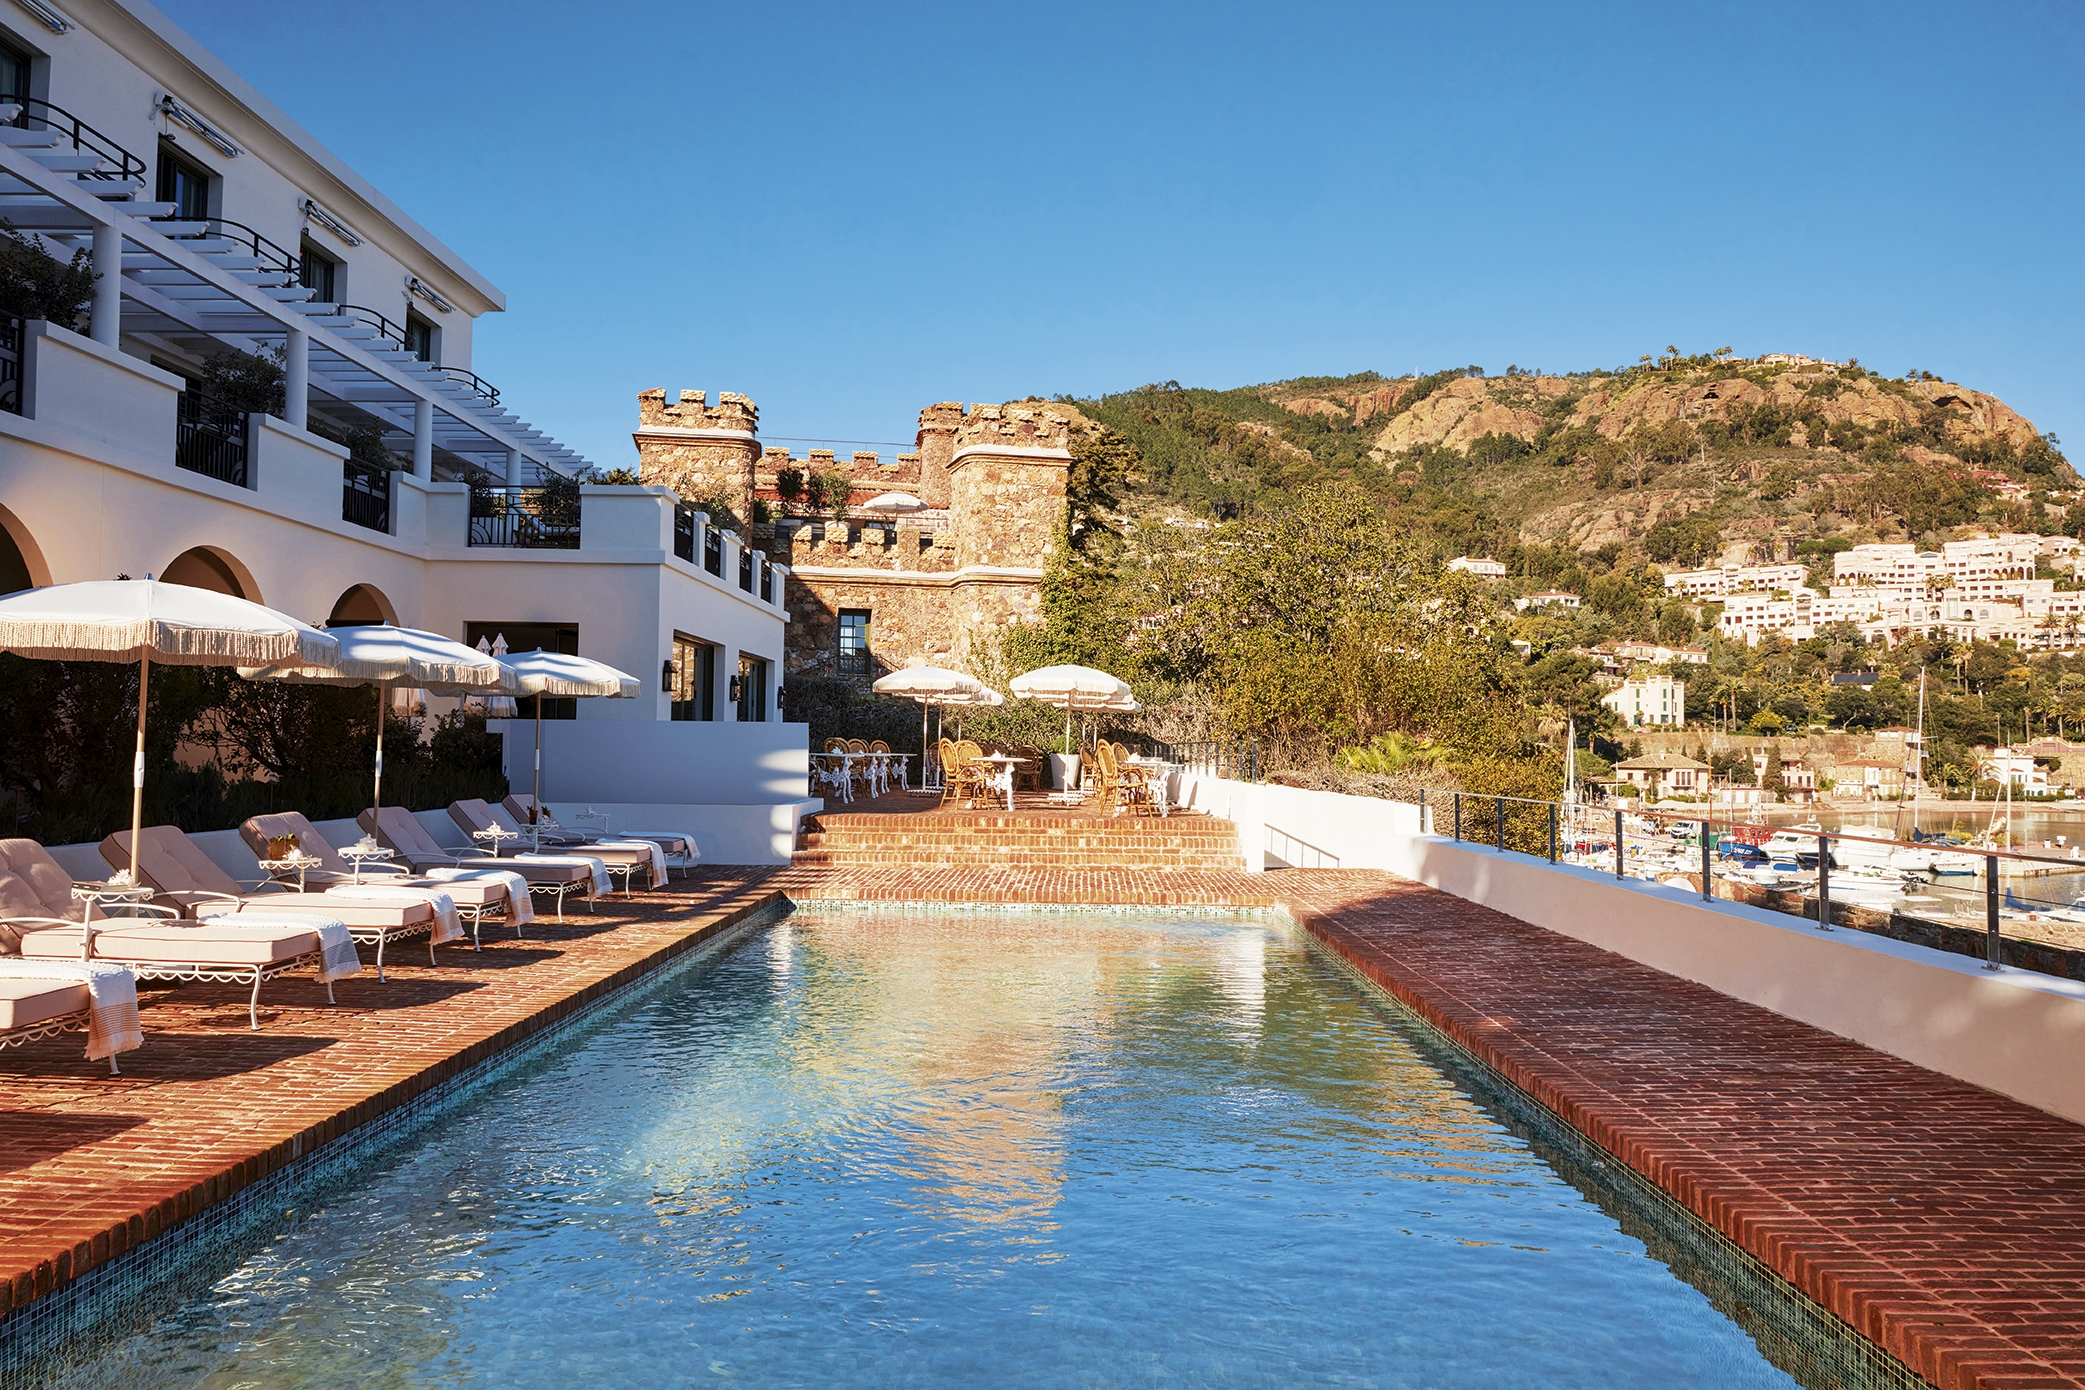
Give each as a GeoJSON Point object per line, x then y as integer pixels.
{"type": "Point", "coordinates": [14, 73]}
{"type": "Point", "coordinates": [752, 689]}
{"type": "Point", "coordinates": [530, 637]}
{"type": "Point", "coordinates": [316, 272]}
{"type": "Point", "coordinates": [694, 678]}
{"type": "Point", "coordinates": [854, 642]}
{"type": "Point", "coordinates": [183, 183]}
{"type": "Point", "coordinates": [419, 337]}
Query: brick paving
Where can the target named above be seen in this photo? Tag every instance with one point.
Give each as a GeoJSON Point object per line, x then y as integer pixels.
{"type": "Point", "coordinates": [1946, 1223]}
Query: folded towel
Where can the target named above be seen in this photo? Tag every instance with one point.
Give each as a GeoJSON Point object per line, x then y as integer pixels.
{"type": "Point", "coordinates": [672, 841]}
{"type": "Point", "coordinates": [448, 923]}
{"type": "Point", "coordinates": [596, 869]}
{"type": "Point", "coordinates": [655, 855]}
{"type": "Point", "coordinates": [520, 910]}
{"type": "Point", "coordinates": [112, 999]}
{"type": "Point", "coordinates": [337, 957]}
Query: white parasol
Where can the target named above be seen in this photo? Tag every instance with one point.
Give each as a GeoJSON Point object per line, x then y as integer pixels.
{"type": "Point", "coordinates": [494, 706]}
{"type": "Point", "coordinates": [384, 656]}
{"type": "Point", "coordinates": [559, 676]}
{"type": "Point", "coordinates": [893, 502]}
{"type": "Point", "coordinates": [146, 620]}
{"type": "Point", "coordinates": [1074, 688]}
{"type": "Point", "coordinates": [930, 685]}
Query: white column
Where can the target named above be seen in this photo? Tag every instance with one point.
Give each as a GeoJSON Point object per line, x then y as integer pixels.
{"type": "Point", "coordinates": [105, 324]}
{"type": "Point", "coordinates": [423, 440]}
{"type": "Point", "coordinates": [514, 465]}
{"type": "Point", "coordinates": [296, 377]}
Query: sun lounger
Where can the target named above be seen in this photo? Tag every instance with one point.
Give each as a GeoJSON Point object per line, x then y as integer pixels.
{"type": "Point", "coordinates": [401, 831]}
{"type": "Point", "coordinates": [189, 880]}
{"type": "Point", "coordinates": [45, 998]}
{"type": "Point", "coordinates": [475, 816]}
{"type": "Point", "coordinates": [40, 920]}
{"type": "Point", "coordinates": [474, 892]}
{"type": "Point", "coordinates": [677, 847]}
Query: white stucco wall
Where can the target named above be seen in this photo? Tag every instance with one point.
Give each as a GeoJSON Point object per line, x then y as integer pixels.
{"type": "Point", "coordinates": [2016, 1032]}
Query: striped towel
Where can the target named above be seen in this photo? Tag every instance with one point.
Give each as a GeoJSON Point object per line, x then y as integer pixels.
{"type": "Point", "coordinates": [672, 841]}
{"type": "Point", "coordinates": [520, 910]}
{"type": "Point", "coordinates": [337, 957]}
{"type": "Point", "coordinates": [595, 868]}
{"type": "Point", "coordinates": [656, 856]}
{"type": "Point", "coordinates": [112, 999]}
{"type": "Point", "coordinates": [448, 923]}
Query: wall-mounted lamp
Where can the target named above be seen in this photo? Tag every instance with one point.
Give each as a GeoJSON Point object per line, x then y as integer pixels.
{"type": "Point", "coordinates": [51, 16]}
{"type": "Point", "coordinates": [666, 675]}
{"type": "Point", "coordinates": [214, 138]}
{"type": "Point", "coordinates": [415, 285]}
{"type": "Point", "coordinates": [737, 692]}
{"type": "Point", "coordinates": [314, 213]}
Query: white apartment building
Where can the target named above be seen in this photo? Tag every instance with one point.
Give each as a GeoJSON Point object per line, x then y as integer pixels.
{"type": "Point", "coordinates": [1482, 568]}
{"type": "Point", "coordinates": [1548, 598]}
{"type": "Point", "coordinates": [1749, 616]}
{"type": "Point", "coordinates": [1732, 579]}
{"type": "Point", "coordinates": [1651, 702]}
{"type": "Point", "coordinates": [1888, 566]}
{"type": "Point", "coordinates": [215, 222]}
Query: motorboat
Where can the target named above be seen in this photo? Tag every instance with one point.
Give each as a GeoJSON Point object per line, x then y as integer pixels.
{"type": "Point", "coordinates": [1856, 889]}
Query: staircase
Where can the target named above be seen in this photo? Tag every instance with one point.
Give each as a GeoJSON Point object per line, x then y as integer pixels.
{"type": "Point", "coordinates": [1016, 840]}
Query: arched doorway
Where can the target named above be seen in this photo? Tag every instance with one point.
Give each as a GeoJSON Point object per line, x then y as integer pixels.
{"type": "Point", "coordinates": [361, 606]}
{"type": "Point", "coordinates": [21, 562]}
{"type": "Point", "coordinates": [207, 567]}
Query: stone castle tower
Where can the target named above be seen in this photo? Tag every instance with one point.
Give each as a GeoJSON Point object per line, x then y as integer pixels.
{"type": "Point", "coordinates": [703, 452]}
{"type": "Point", "coordinates": [931, 580]}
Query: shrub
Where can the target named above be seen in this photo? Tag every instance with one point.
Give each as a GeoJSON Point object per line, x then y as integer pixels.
{"type": "Point", "coordinates": [36, 285]}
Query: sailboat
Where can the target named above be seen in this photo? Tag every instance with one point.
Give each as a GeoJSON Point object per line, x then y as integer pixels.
{"type": "Point", "coordinates": [1916, 861]}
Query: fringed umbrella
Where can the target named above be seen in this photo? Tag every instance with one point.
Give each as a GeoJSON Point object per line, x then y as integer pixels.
{"type": "Point", "coordinates": [558, 676]}
{"type": "Point", "coordinates": [930, 685]}
{"type": "Point", "coordinates": [1074, 688]}
{"type": "Point", "coordinates": [385, 656]}
{"type": "Point", "coordinates": [146, 620]}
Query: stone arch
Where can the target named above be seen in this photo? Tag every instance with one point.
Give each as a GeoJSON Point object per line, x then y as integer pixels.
{"type": "Point", "coordinates": [207, 567]}
{"type": "Point", "coordinates": [360, 606]}
{"type": "Point", "coordinates": [22, 565]}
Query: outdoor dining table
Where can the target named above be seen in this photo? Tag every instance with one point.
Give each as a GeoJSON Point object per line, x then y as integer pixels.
{"type": "Point", "coordinates": [1003, 780]}
{"type": "Point", "coordinates": [1161, 776]}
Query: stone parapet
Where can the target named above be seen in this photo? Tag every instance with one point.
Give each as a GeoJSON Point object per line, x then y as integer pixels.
{"type": "Point", "coordinates": [705, 453]}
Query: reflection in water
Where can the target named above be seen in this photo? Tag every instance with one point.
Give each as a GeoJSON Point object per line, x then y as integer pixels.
{"type": "Point", "coordinates": [875, 1147]}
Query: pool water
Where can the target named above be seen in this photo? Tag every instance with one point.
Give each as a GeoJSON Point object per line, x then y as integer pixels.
{"type": "Point", "coordinates": [865, 1148]}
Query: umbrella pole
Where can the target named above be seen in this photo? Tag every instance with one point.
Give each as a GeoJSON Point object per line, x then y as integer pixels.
{"type": "Point", "coordinates": [536, 799]}
{"type": "Point", "coordinates": [376, 792]}
{"type": "Point", "coordinates": [137, 768]}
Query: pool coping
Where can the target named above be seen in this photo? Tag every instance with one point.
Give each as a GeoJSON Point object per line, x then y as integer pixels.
{"type": "Point", "coordinates": [1182, 893]}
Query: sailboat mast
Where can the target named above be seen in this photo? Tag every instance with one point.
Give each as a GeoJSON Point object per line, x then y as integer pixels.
{"type": "Point", "coordinates": [1918, 787]}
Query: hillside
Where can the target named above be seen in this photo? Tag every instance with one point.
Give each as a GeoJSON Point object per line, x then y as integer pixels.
{"type": "Point", "coordinates": [1685, 459]}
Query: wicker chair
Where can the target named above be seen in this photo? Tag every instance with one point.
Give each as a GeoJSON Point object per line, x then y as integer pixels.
{"type": "Point", "coordinates": [1135, 781]}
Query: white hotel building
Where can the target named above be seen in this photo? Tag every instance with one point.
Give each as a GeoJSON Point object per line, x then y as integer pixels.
{"type": "Point", "coordinates": [215, 222]}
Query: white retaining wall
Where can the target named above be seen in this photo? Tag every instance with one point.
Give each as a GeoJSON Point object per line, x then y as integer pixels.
{"type": "Point", "coordinates": [2016, 1032]}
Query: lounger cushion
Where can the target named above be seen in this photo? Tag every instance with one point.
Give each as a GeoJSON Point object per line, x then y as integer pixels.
{"type": "Point", "coordinates": [156, 945]}
{"type": "Point", "coordinates": [258, 830]}
{"type": "Point", "coordinates": [32, 885]}
{"type": "Point", "coordinates": [400, 829]}
{"type": "Point", "coordinates": [170, 862]}
{"type": "Point", "coordinates": [354, 914]}
{"type": "Point", "coordinates": [477, 814]}
{"type": "Point", "coordinates": [23, 1002]}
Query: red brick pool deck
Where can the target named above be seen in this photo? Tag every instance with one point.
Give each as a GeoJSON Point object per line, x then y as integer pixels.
{"type": "Point", "coordinates": [1944, 1222]}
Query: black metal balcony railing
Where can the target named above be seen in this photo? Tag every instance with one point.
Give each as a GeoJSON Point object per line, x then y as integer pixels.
{"type": "Point", "coordinates": [745, 570]}
{"type": "Point", "coordinates": [84, 138]}
{"type": "Point", "coordinates": [713, 551]}
{"type": "Point", "coordinates": [365, 495]}
{"type": "Point", "coordinates": [272, 258]}
{"type": "Point", "coordinates": [210, 439]}
{"type": "Point", "coordinates": [11, 346]}
{"type": "Point", "coordinates": [684, 533]}
{"type": "Point", "coordinates": [767, 582]}
{"type": "Point", "coordinates": [526, 518]}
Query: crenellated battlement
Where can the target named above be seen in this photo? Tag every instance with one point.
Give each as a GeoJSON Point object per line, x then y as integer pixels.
{"type": "Point", "coordinates": [693, 412]}
{"type": "Point", "coordinates": [1021, 426]}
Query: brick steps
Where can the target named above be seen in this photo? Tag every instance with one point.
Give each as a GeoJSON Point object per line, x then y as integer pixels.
{"type": "Point", "coordinates": [1016, 841]}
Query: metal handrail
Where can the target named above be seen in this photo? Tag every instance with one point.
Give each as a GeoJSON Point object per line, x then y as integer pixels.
{"type": "Point", "coordinates": [1995, 892]}
{"type": "Point", "coordinates": [85, 138]}
{"type": "Point", "coordinates": [382, 325]}
{"type": "Point", "coordinates": [477, 383]}
{"type": "Point", "coordinates": [272, 257]}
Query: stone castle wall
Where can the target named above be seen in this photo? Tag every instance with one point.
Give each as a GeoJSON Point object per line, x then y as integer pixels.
{"type": "Point", "coordinates": [937, 581]}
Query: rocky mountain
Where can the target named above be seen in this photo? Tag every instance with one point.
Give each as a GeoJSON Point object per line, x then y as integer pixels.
{"type": "Point", "coordinates": [1687, 458]}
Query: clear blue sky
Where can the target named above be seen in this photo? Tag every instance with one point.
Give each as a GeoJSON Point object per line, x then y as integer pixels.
{"type": "Point", "coordinates": [849, 212]}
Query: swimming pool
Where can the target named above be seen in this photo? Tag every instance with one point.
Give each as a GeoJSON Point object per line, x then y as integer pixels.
{"type": "Point", "coordinates": [873, 1147]}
